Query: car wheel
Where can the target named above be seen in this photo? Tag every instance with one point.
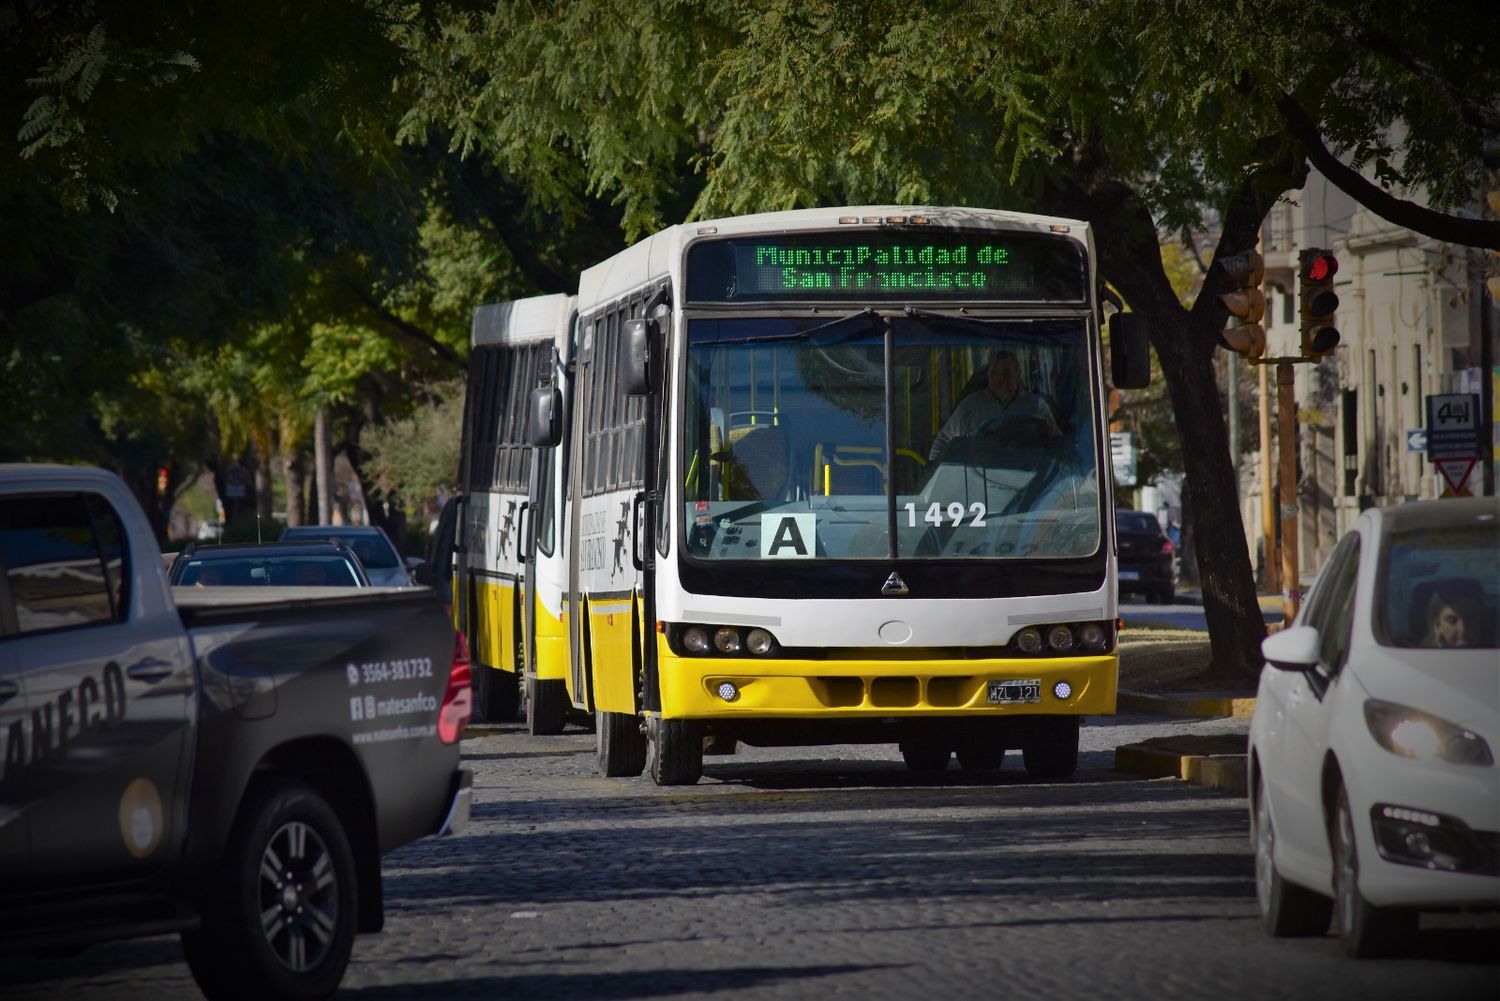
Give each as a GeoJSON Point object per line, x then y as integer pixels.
{"type": "Point", "coordinates": [1053, 753]}
{"type": "Point", "coordinates": [281, 916]}
{"type": "Point", "coordinates": [926, 755]}
{"type": "Point", "coordinates": [1365, 931]}
{"type": "Point", "coordinates": [620, 745]}
{"type": "Point", "coordinates": [1286, 909]}
{"type": "Point", "coordinates": [980, 754]}
{"type": "Point", "coordinates": [546, 706]}
{"type": "Point", "coordinates": [676, 751]}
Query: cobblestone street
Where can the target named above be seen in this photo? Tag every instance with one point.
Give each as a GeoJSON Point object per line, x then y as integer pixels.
{"type": "Point", "coordinates": [816, 872]}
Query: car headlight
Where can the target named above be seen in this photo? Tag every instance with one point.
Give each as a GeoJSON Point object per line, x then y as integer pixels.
{"type": "Point", "coordinates": [1415, 734]}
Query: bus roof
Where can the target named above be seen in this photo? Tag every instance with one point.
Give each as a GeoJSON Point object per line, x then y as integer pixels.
{"type": "Point", "coordinates": [539, 318]}
{"type": "Point", "coordinates": [652, 258]}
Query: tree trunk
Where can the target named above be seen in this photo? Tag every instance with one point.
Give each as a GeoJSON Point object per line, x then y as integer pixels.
{"type": "Point", "coordinates": [1129, 255]}
{"type": "Point", "coordinates": [291, 475]}
{"type": "Point", "coordinates": [261, 453]}
{"type": "Point", "coordinates": [323, 463]}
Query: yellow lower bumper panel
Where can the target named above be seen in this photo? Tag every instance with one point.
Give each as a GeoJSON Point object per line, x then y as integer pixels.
{"type": "Point", "coordinates": [750, 687]}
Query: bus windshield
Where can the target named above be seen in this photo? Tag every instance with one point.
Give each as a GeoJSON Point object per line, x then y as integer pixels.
{"type": "Point", "coordinates": [925, 435]}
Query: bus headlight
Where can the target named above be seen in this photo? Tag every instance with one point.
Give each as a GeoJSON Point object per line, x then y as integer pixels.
{"type": "Point", "coordinates": [727, 639]}
{"type": "Point", "coordinates": [759, 642]}
{"type": "Point", "coordinates": [695, 639]}
{"type": "Point", "coordinates": [1030, 640]}
{"type": "Point", "coordinates": [1091, 636]}
{"type": "Point", "coordinates": [1060, 638]}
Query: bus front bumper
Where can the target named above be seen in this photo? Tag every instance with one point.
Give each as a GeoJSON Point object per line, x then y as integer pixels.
{"type": "Point", "coordinates": [710, 688]}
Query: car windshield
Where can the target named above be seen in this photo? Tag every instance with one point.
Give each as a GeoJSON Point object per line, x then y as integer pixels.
{"type": "Point", "coordinates": [292, 571]}
{"type": "Point", "coordinates": [372, 549]}
{"type": "Point", "coordinates": [871, 437]}
{"type": "Point", "coordinates": [1440, 588]}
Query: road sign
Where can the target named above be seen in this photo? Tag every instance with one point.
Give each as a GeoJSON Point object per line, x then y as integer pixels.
{"type": "Point", "coordinates": [236, 479]}
{"type": "Point", "coordinates": [1416, 439]}
{"type": "Point", "coordinates": [1123, 455]}
{"type": "Point", "coordinates": [1456, 472]}
{"type": "Point", "coordinates": [1453, 425]}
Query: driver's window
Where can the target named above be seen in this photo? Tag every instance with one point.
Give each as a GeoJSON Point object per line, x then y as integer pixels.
{"type": "Point", "coordinates": [1334, 616]}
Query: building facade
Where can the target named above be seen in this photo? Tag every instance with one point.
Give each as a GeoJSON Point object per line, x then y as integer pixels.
{"type": "Point", "coordinates": [1410, 323]}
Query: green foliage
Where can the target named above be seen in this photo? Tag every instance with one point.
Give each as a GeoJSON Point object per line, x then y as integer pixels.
{"type": "Point", "coordinates": [416, 456]}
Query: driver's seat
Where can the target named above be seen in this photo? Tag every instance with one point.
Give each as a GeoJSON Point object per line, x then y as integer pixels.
{"type": "Point", "coordinates": [757, 466]}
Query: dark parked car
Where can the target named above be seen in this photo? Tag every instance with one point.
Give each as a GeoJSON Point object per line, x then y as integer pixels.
{"type": "Point", "coordinates": [261, 564]}
{"type": "Point", "coordinates": [1146, 556]}
{"type": "Point", "coordinates": [374, 548]}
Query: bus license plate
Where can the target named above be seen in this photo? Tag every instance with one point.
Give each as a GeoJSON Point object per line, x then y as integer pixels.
{"type": "Point", "coordinates": [1009, 691]}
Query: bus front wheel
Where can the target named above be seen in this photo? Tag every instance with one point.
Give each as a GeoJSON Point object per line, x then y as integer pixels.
{"type": "Point", "coordinates": [546, 706]}
{"type": "Point", "coordinates": [676, 751]}
{"type": "Point", "coordinates": [1053, 752]}
{"type": "Point", "coordinates": [620, 744]}
{"type": "Point", "coordinates": [499, 695]}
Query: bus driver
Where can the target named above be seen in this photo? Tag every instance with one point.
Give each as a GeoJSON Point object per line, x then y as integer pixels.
{"type": "Point", "coordinates": [1002, 396]}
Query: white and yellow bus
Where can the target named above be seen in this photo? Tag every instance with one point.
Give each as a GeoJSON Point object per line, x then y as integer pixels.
{"type": "Point", "coordinates": [835, 475]}
{"type": "Point", "coordinates": [514, 348]}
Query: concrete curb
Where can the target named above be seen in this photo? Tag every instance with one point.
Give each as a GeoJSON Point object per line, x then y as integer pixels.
{"type": "Point", "coordinates": [1214, 762]}
{"type": "Point", "coordinates": [1205, 704]}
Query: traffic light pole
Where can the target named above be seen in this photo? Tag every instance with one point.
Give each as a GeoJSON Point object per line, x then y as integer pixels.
{"type": "Point", "coordinates": [1271, 554]}
{"type": "Point", "coordinates": [1286, 428]}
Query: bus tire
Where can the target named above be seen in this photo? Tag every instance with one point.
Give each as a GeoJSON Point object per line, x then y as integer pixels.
{"type": "Point", "coordinates": [676, 751]}
{"type": "Point", "coordinates": [925, 755]}
{"type": "Point", "coordinates": [620, 745]}
{"type": "Point", "coordinates": [499, 695]}
{"type": "Point", "coordinates": [980, 754]}
{"type": "Point", "coordinates": [1053, 753]}
{"type": "Point", "coordinates": [546, 706]}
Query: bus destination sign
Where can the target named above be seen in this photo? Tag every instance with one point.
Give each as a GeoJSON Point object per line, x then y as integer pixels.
{"type": "Point", "coordinates": [957, 265]}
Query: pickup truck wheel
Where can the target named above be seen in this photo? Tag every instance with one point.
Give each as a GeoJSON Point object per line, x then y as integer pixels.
{"type": "Point", "coordinates": [279, 920]}
{"type": "Point", "coordinates": [676, 751]}
{"type": "Point", "coordinates": [546, 706]}
{"type": "Point", "coordinates": [499, 695]}
{"type": "Point", "coordinates": [620, 744]}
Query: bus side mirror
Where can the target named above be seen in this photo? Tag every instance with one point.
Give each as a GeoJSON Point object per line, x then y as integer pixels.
{"type": "Point", "coordinates": [637, 356]}
{"type": "Point", "coordinates": [543, 417]}
{"type": "Point", "coordinates": [1129, 352]}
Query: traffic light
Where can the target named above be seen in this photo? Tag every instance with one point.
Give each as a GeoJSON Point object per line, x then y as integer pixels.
{"type": "Point", "coordinates": [1247, 302]}
{"type": "Point", "coordinates": [1318, 300]}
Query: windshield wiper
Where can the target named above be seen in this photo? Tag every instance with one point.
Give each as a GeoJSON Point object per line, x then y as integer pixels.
{"type": "Point", "coordinates": [801, 335]}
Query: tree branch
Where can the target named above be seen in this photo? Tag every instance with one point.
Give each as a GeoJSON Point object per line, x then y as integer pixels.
{"type": "Point", "coordinates": [1438, 225]}
{"type": "Point", "coordinates": [1378, 41]}
{"type": "Point", "coordinates": [408, 330]}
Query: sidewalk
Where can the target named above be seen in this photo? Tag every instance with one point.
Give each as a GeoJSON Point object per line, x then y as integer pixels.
{"type": "Point", "coordinates": [1214, 760]}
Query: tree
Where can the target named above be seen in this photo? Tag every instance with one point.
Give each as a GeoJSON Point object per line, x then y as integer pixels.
{"type": "Point", "coordinates": [1139, 118]}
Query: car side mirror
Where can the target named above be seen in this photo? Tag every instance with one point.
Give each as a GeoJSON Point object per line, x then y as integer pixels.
{"type": "Point", "coordinates": [544, 417]}
{"type": "Point", "coordinates": [1293, 649]}
{"type": "Point", "coordinates": [1129, 352]}
{"type": "Point", "coordinates": [421, 574]}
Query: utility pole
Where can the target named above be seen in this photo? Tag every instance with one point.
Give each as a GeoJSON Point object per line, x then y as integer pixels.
{"type": "Point", "coordinates": [1286, 434]}
{"type": "Point", "coordinates": [1267, 494]}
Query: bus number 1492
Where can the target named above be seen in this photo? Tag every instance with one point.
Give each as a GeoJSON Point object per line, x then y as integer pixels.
{"type": "Point", "coordinates": [955, 512]}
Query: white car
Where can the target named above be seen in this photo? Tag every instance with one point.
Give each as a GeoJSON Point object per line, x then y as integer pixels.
{"type": "Point", "coordinates": [1374, 789]}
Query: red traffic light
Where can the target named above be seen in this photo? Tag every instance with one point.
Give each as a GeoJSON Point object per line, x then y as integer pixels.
{"type": "Point", "coordinates": [1320, 267]}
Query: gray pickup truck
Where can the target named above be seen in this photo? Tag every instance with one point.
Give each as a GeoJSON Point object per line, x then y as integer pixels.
{"type": "Point", "coordinates": [230, 764]}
